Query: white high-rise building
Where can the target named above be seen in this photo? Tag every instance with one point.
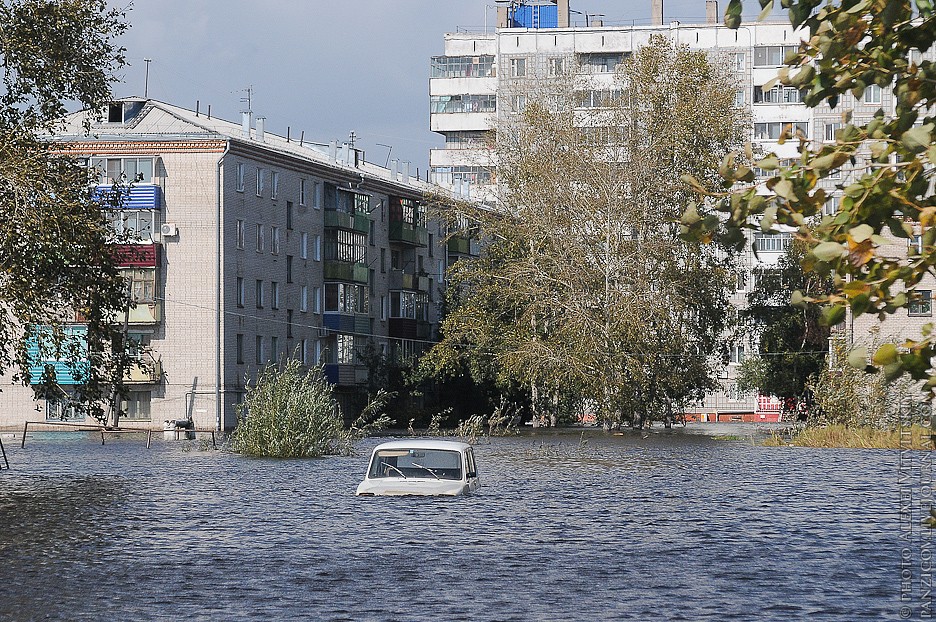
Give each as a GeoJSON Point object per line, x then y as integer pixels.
{"type": "Point", "coordinates": [478, 74]}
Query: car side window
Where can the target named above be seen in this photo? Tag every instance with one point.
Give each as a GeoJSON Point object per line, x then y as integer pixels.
{"type": "Point", "coordinates": [472, 471]}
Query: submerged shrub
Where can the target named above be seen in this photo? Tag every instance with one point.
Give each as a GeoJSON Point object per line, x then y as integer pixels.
{"type": "Point", "coordinates": [288, 413]}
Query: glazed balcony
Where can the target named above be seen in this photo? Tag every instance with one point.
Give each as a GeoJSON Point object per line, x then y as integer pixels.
{"type": "Point", "coordinates": [335, 219]}
{"type": "Point", "coordinates": [345, 271]}
{"type": "Point", "coordinates": [406, 233]}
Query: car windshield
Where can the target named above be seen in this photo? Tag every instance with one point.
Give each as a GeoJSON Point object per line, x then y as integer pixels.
{"type": "Point", "coordinates": [416, 463]}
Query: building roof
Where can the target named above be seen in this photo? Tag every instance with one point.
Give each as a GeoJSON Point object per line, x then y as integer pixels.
{"type": "Point", "coordinates": [159, 121]}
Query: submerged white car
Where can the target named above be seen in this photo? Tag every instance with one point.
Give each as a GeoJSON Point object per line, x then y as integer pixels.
{"type": "Point", "coordinates": [420, 467]}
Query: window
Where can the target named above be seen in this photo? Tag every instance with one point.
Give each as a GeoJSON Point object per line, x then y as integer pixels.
{"type": "Point", "coordinates": [830, 208]}
{"type": "Point", "coordinates": [240, 292]}
{"type": "Point", "coordinates": [317, 195]}
{"type": "Point", "coordinates": [303, 245]}
{"type": "Point", "coordinates": [260, 353]}
{"type": "Point", "coordinates": [915, 244]}
{"type": "Point", "coordinates": [317, 248]}
{"type": "Point", "coordinates": [304, 351]}
{"type": "Point", "coordinates": [556, 66]}
{"type": "Point", "coordinates": [260, 175]}
{"type": "Point", "coordinates": [135, 225]}
{"type": "Point", "coordinates": [431, 244]}
{"type": "Point", "coordinates": [347, 246]}
{"type": "Point", "coordinates": [778, 95]}
{"type": "Point", "coordinates": [830, 130]}
{"type": "Point", "coordinates": [462, 67]}
{"type": "Point", "coordinates": [289, 269]}
{"type": "Point", "coordinates": [519, 103]}
{"type": "Point", "coordinates": [240, 349]}
{"type": "Point", "coordinates": [772, 55]}
{"type": "Point", "coordinates": [383, 260]}
{"type": "Point", "coordinates": [739, 61]}
{"type": "Point", "coordinates": [64, 409]}
{"type": "Point", "coordinates": [921, 303]}
{"type": "Point", "coordinates": [517, 67]}
{"type": "Point", "coordinates": [346, 298]}
{"type": "Point", "coordinates": [302, 192]}
{"type": "Point", "coordinates": [259, 294]}
{"type": "Point", "coordinates": [239, 234]}
{"type": "Point", "coordinates": [142, 284]}
{"type": "Point", "coordinates": [383, 307]}
{"type": "Point", "coordinates": [274, 184]}
{"type": "Point", "coordinates": [274, 295]}
{"type": "Point", "coordinates": [137, 406]}
{"type": "Point", "coordinates": [289, 321]}
{"type": "Point", "coordinates": [449, 104]}
{"type": "Point", "coordinates": [274, 240]}
{"type": "Point", "coordinates": [260, 237]}
{"type": "Point", "coordinates": [772, 130]}
{"type": "Point", "coordinates": [240, 177]}
{"type": "Point", "coordinates": [409, 305]}
{"type": "Point", "coordinates": [345, 350]}
{"type": "Point", "coordinates": [304, 298]}
{"type": "Point", "coordinates": [872, 94]}
{"type": "Point", "coordinates": [600, 63]}
{"type": "Point", "coordinates": [467, 139]}
{"type": "Point", "coordinates": [739, 98]}
{"type": "Point", "coordinates": [123, 170]}
{"type": "Point", "coordinates": [289, 215]}
{"type": "Point", "coordinates": [317, 300]}
{"type": "Point", "coordinates": [736, 354]}
{"type": "Point", "coordinates": [772, 242]}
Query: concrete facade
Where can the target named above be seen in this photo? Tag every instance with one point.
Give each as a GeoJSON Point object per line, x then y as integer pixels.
{"type": "Point", "coordinates": [263, 248]}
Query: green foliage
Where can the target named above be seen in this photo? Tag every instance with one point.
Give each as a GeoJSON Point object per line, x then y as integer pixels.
{"type": "Point", "coordinates": [54, 257]}
{"type": "Point", "coordinates": [792, 341]}
{"type": "Point", "coordinates": [851, 46]}
{"type": "Point", "coordinates": [288, 413]}
{"type": "Point", "coordinates": [291, 412]}
{"type": "Point", "coordinates": [584, 293]}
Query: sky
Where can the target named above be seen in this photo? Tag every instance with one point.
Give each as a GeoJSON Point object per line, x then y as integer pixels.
{"type": "Point", "coordinates": [323, 67]}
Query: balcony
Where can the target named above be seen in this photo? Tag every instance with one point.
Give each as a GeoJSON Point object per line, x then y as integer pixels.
{"type": "Point", "coordinates": [144, 372]}
{"type": "Point", "coordinates": [408, 234]}
{"type": "Point", "coordinates": [347, 375]}
{"type": "Point", "coordinates": [335, 219]}
{"type": "Point", "coordinates": [143, 196]}
{"type": "Point", "coordinates": [142, 313]}
{"type": "Point", "coordinates": [405, 328]}
{"type": "Point", "coordinates": [346, 322]}
{"type": "Point", "coordinates": [463, 246]}
{"type": "Point", "coordinates": [137, 255]}
{"type": "Point", "coordinates": [344, 271]}
{"type": "Point", "coordinates": [403, 280]}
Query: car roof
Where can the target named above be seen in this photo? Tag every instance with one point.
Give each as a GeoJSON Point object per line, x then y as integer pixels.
{"type": "Point", "coordinates": [424, 443]}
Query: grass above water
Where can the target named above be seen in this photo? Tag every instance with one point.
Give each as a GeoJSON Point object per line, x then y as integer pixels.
{"type": "Point", "coordinates": [916, 437]}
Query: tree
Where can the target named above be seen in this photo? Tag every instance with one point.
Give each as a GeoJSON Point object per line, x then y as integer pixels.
{"type": "Point", "coordinates": [792, 342]}
{"type": "Point", "coordinates": [851, 46]}
{"type": "Point", "coordinates": [584, 291]}
{"type": "Point", "coordinates": [55, 261]}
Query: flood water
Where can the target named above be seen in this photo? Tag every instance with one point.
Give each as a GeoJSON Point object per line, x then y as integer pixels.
{"type": "Point", "coordinates": [671, 526]}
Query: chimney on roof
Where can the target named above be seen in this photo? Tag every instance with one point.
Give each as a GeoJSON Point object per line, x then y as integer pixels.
{"type": "Point", "coordinates": [245, 123]}
{"type": "Point", "coordinates": [563, 9]}
{"type": "Point", "coordinates": [394, 167]}
{"type": "Point", "coordinates": [406, 166]}
{"type": "Point", "coordinates": [711, 11]}
{"type": "Point", "coordinates": [333, 150]}
{"type": "Point", "coordinates": [261, 133]}
{"type": "Point", "coordinates": [656, 12]}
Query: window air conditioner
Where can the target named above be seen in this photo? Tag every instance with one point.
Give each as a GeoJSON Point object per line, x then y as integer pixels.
{"type": "Point", "coordinates": [168, 229]}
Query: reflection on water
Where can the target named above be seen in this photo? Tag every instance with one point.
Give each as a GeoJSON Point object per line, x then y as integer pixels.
{"type": "Point", "coordinates": [566, 527]}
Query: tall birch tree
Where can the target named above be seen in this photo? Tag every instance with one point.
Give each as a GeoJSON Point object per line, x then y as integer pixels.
{"type": "Point", "coordinates": [584, 291]}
